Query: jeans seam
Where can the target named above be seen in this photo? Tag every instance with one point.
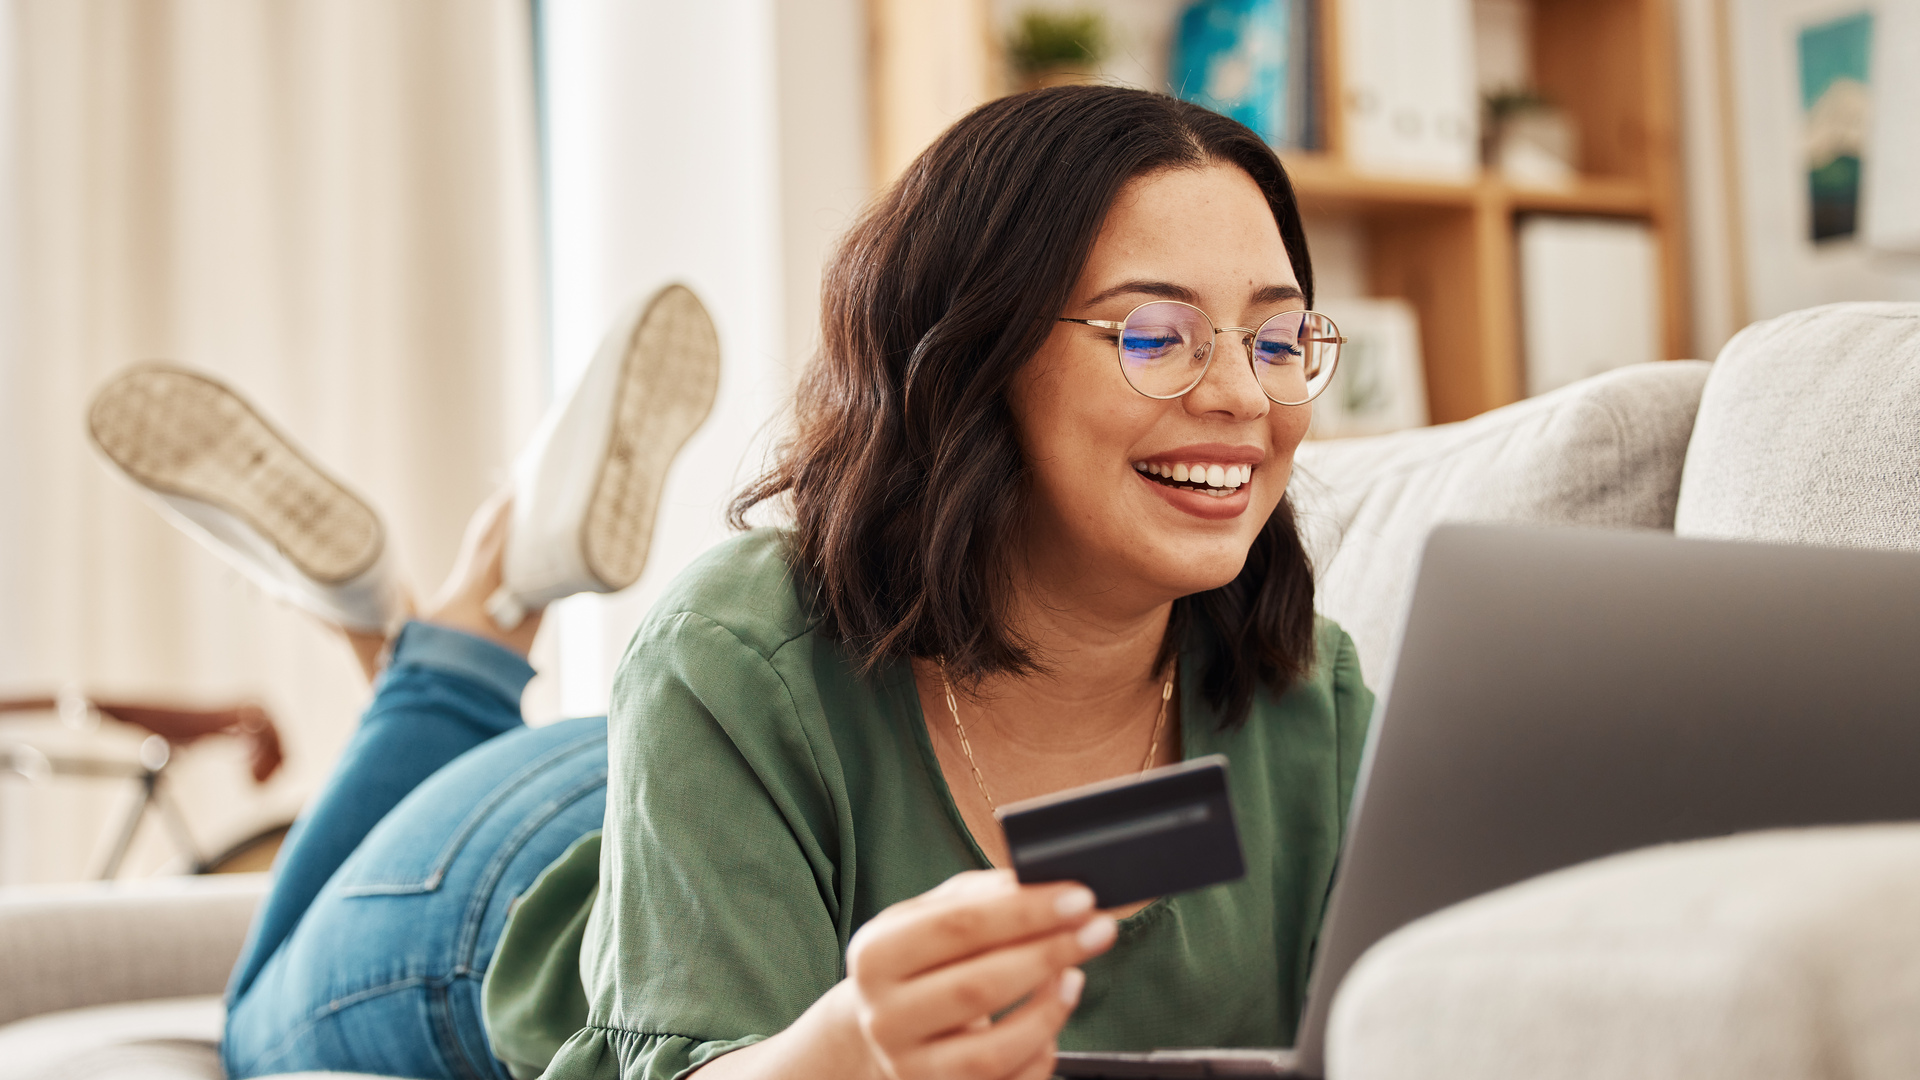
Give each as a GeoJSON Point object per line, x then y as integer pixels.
{"type": "Point", "coordinates": [482, 901]}
{"type": "Point", "coordinates": [438, 871]}
{"type": "Point", "coordinates": [440, 1009]}
{"type": "Point", "coordinates": [509, 848]}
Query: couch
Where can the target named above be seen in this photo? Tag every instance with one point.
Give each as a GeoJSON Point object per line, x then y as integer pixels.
{"type": "Point", "coordinates": [1666, 963]}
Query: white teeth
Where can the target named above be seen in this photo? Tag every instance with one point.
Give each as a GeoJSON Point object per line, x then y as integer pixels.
{"type": "Point", "coordinates": [1218, 479]}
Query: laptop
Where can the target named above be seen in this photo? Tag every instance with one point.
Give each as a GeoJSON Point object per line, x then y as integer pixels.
{"type": "Point", "coordinates": [1565, 694]}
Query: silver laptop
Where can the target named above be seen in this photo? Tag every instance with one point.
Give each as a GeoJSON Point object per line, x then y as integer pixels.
{"type": "Point", "coordinates": [1564, 694]}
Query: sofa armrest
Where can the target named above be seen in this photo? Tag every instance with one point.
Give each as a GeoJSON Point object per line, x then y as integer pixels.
{"type": "Point", "coordinates": [1789, 955]}
{"type": "Point", "coordinates": [67, 946]}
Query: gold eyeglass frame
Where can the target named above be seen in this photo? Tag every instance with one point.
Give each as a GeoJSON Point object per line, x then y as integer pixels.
{"type": "Point", "coordinates": [1246, 344]}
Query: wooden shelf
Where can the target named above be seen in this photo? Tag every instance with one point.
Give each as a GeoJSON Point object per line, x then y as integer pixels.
{"type": "Point", "coordinates": [1324, 183]}
{"type": "Point", "coordinates": [1590, 195]}
{"type": "Point", "coordinates": [1448, 247]}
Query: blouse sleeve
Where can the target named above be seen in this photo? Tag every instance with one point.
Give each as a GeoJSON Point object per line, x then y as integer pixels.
{"type": "Point", "coordinates": [1353, 713]}
{"type": "Point", "coordinates": [716, 923]}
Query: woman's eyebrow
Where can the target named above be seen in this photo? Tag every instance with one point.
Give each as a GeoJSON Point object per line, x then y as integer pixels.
{"type": "Point", "coordinates": [1167, 290]}
{"type": "Point", "coordinates": [1274, 294]}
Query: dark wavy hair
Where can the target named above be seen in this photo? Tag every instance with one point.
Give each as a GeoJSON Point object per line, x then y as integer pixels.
{"type": "Point", "coordinates": [903, 468]}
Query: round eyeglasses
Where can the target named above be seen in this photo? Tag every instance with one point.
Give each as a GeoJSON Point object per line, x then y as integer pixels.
{"type": "Point", "coordinates": [1166, 346]}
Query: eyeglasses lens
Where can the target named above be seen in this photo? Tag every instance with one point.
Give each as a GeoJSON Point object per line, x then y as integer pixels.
{"type": "Point", "coordinates": [1294, 355]}
{"type": "Point", "coordinates": [1164, 348]}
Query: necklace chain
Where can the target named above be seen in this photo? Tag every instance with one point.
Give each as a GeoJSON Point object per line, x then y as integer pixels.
{"type": "Point", "coordinates": [953, 709]}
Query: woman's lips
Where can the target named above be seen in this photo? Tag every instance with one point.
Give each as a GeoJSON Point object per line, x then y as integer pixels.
{"type": "Point", "coordinates": [1205, 507]}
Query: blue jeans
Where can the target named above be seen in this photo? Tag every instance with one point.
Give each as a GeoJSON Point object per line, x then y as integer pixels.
{"type": "Point", "coordinates": [392, 889]}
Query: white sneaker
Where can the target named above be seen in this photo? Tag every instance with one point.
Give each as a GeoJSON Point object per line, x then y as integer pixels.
{"type": "Point", "coordinates": [221, 472]}
{"type": "Point", "coordinates": [586, 487]}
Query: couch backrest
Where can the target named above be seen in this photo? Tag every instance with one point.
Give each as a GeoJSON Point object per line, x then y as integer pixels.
{"type": "Point", "coordinates": [1605, 451]}
{"type": "Point", "coordinates": [1809, 432]}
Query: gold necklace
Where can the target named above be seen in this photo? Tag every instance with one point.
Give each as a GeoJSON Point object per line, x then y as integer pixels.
{"type": "Point", "coordinates": [953, 709]}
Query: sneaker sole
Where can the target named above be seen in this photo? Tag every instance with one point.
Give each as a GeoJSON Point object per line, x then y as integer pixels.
{"type": "Point", "coordinates": [186, 435]}
{"type": "Point", "coordinates": [668, 381]}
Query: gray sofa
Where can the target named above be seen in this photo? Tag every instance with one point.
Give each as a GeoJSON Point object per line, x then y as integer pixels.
{"type": "Point", "coordinates": [1790, 955]}
{"type": "Point", "coordinates": [1781, 956]}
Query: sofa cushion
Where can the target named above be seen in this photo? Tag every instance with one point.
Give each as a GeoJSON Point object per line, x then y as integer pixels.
{"type": "Point", "coordinates": [1788, 955]}
{"type": "Point", "coordinates": [1809, 432]}
{"type": "Point", "coordinates": [161, 1039]}
{"type": "Point", "coordinates": [165, 1039]}
{"type": "Point", "coordinates": [1605, 451]}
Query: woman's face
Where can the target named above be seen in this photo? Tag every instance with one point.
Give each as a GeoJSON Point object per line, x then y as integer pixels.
{"type": "Point", "coordinates": [1105, 523]}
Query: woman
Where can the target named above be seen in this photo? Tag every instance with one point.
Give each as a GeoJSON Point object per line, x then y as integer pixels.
{"type": "Point", "coordinates": [1000, 563]}
{"type": "Point", "coordinates": [1039, 539]}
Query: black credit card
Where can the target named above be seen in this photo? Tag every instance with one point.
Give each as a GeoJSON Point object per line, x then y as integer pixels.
{"type": "Point", "coordinates": [1165, 831]}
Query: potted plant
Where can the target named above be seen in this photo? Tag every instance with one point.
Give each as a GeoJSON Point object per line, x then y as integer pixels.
{"type": "Point", "coordinates": [1052, 48]}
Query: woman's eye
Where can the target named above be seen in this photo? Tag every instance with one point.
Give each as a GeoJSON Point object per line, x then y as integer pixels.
{"type": "Point", "coordinates": [1275, 351]}
{"type": "Point", "coordinates": [1147, 345]}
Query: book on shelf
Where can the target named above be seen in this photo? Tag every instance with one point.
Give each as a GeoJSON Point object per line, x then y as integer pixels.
{"type": "Point", "coordinates": [1379, 385]}
{"type": "Point", "coordinates": [1251, 60]}
{"type": "Point", "coordinates": [1589, 297]}
{"type": "Point", "coordinates": [1409, 87]}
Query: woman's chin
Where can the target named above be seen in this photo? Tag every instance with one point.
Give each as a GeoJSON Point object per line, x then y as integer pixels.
{"type": "Point", "coordinates": [1198, 573]}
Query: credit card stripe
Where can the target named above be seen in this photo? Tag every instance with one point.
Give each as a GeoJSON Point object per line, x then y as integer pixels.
{"type": "Point", "coordinates": [1164, 821]}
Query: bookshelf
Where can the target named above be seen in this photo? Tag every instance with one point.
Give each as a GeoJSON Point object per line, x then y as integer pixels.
{"type": "Point", "coordinates": [1447, 247]}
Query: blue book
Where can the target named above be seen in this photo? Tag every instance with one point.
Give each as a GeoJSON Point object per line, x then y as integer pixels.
{"type": "Point", "coordinates": [1239, 58]}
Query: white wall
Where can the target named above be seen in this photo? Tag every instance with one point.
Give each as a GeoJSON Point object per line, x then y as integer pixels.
{"type": "Point", "coordinates": [1718, 299]}
{"type": "Point", "coordinates": [722, 144]}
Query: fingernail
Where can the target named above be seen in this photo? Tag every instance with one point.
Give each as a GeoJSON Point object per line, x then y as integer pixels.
{"type": "Point", "coordinates": [1072, 981]}
{"type": "Point", "coordinates": [1075, 901]}
{"type": "Point", "coordinates": [1098, 933]}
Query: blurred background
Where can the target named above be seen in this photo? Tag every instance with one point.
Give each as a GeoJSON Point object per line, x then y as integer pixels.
{"type": "Point", "coordinates": [399, 227]}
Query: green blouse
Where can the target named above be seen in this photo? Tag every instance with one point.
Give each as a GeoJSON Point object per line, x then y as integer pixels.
{"type": "Point", "coordinates": [764, 803]}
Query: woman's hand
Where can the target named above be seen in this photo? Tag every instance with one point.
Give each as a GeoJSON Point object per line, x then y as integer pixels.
{"type": "Point", "coordinates": [928, 976]}
{"type": "Point", "coordinates": [925, 979]}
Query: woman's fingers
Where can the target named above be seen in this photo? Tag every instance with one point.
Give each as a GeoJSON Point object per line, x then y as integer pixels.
{"type": "Point", "coordinates": [1019, 1047]}
{"type": "Point", "coordinates": [927, 976]}
{"type": "Point", "coordinates": [949, 997]}
{"type": "Point", "coordinates": [934, 930]}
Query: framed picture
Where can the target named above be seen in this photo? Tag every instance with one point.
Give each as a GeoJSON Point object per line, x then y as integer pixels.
{"type": "Point", "coordinates": [1817, 87]}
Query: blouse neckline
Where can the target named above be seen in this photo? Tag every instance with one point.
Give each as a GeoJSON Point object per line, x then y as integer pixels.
{"type": "Point", "coordinates": [901, 684]}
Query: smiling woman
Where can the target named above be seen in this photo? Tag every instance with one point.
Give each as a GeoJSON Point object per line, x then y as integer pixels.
{"type": "Point", "coordinates": [1040, 538]}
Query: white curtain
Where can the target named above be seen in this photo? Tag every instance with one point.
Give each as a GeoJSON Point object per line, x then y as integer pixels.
{"type": "Point", "coordinates": [331, 205]}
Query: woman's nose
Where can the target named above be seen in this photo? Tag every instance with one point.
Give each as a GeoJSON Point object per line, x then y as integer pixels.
{"type": "Point", "coordinates": [1229, 385]}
